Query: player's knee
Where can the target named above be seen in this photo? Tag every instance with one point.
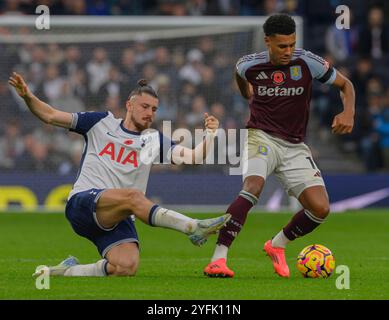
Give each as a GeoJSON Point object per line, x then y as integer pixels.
{"type": "Point", "coordinates": [321, 210]}
{"type": "Point", "coordinates": [254, 185]}
{"type": "Point", "coordinates": [134, 198]}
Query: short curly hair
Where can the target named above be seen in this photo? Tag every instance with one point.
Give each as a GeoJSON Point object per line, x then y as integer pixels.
{"type": "Point", "coordinates": [279, 24]}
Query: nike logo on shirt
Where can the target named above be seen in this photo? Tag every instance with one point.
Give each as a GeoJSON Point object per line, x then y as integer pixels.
{"type": "Point", "coordinates": [110, 134]}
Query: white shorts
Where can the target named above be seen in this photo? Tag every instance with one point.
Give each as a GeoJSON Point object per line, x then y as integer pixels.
{"type": "Point", "coordinates": [292, 163]}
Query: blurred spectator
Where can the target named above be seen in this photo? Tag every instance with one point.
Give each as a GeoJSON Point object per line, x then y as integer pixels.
{"type": "Point", "coordinates": [195, 117]}
{"type": "Point", "coordinates": [187, 93]}
{"type": "Point", "coordinates": [75, 7]}
{"type": "Point", "coordinates": [79, 86]}
{"type": "Point", "coordinates": [167, 107]}
{"type": "Point", "coordinates": [250, 7]}
{"type": "Point", "coordinates": [237, 105]}
{"type": "Point", "coordinates": [98, 7]}
{"type": "Point", "coordinates": [191, 71]}
{"type": "Point", "coordinates": [11, 7]}
{"type": "Point", "coordinates": [37, 67]}
{"type": "Point", "coordinates": [66, 100]}
{"type": "Point", "coordinates": [178, 58]}
{"type": "Point", "coordinates": [197, 7]}
{"type": "Point", "coordinates": [291, 7]}
{"type": "Point", "coordinates": [207, 47]}
{"type": "Point", "coordinates": [11, 145]}
{"type": "Point", "coordinates": [171, 8]}
{"type": "Point", "coordinates": [24, 52]}
{"type": "Point", "coordinates": [163, 63]}
{"type": "Point", "coordinates": [370, 139]}
{"type": "Point", "coordinates": [52, 140]}
{"type": "Point", "coordinates": [72, 61]}
{"type": "Point", "coordinates": [113, 87]}
{"type": "Point", "coordinates": [125, 7]}
{"type": "Point", "coordinates": [52, 87]}
{"type": "Point", "coordinates": [374, 87]}
{"type": "Point", "coordinates": [35, 156]}
{"type": "Point", "coordinates": [128, 65]}
{"type": "Point", "coordinates": [74, 151]}
{"type": "Point", "coordinates": [374, 35]}
{"type": "Point", "coordinates": [98, 69]}
{"type": "Point", "coordinates": [8, 106]}
{"type": "Point", "coordinates": [113, 105]}
{"type": "Point", "coordinates": [219, 111]}
{"type": "Point", "coordinates": [143, 53]}
{"type": "Point", "coordinates": [222, 68]}
{"type": "Point", "coordinates": [149, 72]}
{"type": "Point", "coordinates": [208, 87]}
{"type": "Point", "coordinates": [382, 127]}
{"type": "Point", "coordinates": [360, 76]}
{"type": "Point", "coordinates": [54, 54]}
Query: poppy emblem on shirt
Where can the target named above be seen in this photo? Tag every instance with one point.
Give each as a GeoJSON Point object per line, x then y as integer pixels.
{"type": "Point", "coordinates": [278, 77]}
{"type": "Point", "coordinates": [128, 142]}
{"type": "Point", "coordinates": [295, 73]}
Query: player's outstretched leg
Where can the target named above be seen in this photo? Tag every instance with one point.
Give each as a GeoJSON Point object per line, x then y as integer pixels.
{"type": "Point", "coordinates": [316, 208]}
{"type": "Point", "coordinates": [238, 210]}
{"type": "Point", "coordinates": [198, 231]}
{"type": "Point", "coordinates": [71, 267]}
{"type": "Point", "coordinates": [115, 205]}
{"type": "Point", "coordinates": [59, 269]}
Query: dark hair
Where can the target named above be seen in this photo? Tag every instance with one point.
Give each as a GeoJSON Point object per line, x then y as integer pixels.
{"type": "Point", "coordinates": [279, 24]}
{"type": "Point", "coordinates": [143, 87]}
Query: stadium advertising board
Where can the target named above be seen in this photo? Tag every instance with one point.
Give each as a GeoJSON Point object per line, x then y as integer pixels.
{"type": "Point", "coordinates": [32, 192]}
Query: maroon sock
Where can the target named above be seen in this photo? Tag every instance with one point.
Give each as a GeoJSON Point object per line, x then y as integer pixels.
{"type": "Point", "coordinates": [302, 223]}
{"type": "Point", "coordinates": [239, 210]}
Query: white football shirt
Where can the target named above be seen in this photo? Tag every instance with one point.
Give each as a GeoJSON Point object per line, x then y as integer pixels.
{"type": "Point", "coordinates": [114, 157]}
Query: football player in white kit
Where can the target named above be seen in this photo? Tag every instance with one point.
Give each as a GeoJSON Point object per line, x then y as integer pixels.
{"type": "Point", "coordinates": [112, 179]}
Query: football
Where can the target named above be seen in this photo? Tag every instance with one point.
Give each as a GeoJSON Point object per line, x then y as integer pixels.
{"type": "Point", "coordinates": [316, 261]}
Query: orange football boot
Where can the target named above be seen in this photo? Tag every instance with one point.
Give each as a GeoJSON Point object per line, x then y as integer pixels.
{"type": "Point", "coordinates": [218, 269]}
{"type": "Point", "coordinates": [277, 255]}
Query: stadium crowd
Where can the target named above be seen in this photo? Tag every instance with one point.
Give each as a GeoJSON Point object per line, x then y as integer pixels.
{"type": "Point", "coordinates": [189, 80]}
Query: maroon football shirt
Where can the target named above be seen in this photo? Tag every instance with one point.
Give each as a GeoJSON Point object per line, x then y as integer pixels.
{"type": "Point", "coordinates": [280, 104]}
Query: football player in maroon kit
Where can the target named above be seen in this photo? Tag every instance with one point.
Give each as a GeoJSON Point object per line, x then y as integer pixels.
{"type": "Point", "coordinates": [277, 84]}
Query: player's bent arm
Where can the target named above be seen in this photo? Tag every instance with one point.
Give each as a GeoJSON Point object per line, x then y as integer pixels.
{"type": "Point", "coordinates": [40, 109]}
{"type": "Point", "coordinates": [47, 113]}
{"type": "Point", "coordinates": [347, 92]}
{"type": "Point", "coordinates": [244, 86]}
{"type": "Point", "coordinates": [183, 155]}
{"type": "Point", "coordinates": [343, 122]}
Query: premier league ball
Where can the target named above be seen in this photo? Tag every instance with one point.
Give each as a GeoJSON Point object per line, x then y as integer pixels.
{"type": "Point", "coordinates": [316, 261]}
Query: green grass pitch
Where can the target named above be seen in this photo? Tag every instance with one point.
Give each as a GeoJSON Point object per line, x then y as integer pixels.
{"type": "Point", "coordinates": [171, 267]}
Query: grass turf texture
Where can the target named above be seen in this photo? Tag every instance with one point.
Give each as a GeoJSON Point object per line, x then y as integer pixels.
{"type": "Point", "coordinates": [171, 267]}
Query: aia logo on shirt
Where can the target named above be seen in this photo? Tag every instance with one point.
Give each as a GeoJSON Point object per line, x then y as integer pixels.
{"type": "Point", "coordinates": [120, 156]}
{"type": "Point", "coordinates": [278, 77]}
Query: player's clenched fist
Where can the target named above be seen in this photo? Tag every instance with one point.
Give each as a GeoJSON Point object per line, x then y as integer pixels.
{"type": "Point", "coordinates": [211, 122]}
{"type": "Point", "coordinates": [17, 81]}
{"type": "Point", "coordinates": [343, 123]}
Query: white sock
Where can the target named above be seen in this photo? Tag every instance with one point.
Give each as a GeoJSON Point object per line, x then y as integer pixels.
{"type": "Point", "coordinates": [221, 251]}
{"type": "Point", "coordinates": [280, 240]}
{"type": "Point", "coordinates": [173, 220]}
{"type": "Point", "coordinates": [87, 270]}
